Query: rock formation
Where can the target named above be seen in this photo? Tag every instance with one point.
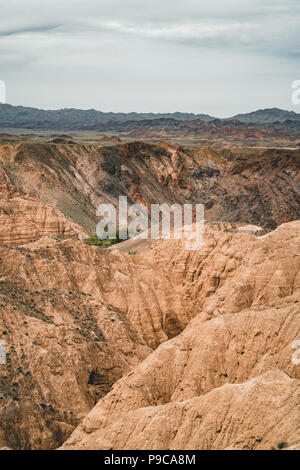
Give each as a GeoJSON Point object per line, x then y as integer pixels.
{"type": "Point", "coordinates": [225, 380]}
{"type": "Point", "coordinates": [148, 345]}
{"type": "Point", "coordinates": [259, 187]}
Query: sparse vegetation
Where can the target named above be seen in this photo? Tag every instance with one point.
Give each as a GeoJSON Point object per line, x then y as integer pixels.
{"type": "Point", "coordinates": [95, 241]}
{"type": "Point", "coordinates": [282, 445]}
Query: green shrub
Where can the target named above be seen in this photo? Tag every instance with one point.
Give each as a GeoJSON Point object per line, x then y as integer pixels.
{"type": "Point", "coordinates": [95, 241]}
{"type": "Point", "coordinates": [282, 445]}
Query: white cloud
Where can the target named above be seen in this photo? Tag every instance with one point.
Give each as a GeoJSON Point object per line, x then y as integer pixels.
{"type": "Point", "coordinates": [150, 55]}
{"type": "Point", "coordinates": [185, 31]}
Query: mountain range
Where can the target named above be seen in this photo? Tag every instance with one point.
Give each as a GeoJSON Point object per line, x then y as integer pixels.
{"type": "Point", "coordinates": [21, 117]}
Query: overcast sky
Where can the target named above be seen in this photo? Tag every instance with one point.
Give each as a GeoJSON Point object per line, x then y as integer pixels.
{"type": "Point", "coordinates": [219, 57]}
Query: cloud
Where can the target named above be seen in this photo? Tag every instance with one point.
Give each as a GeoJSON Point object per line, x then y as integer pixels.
{"type": "Point", "coordinates": [135, 54]}
{"type": "Point", "coordinates": [29, 29]}
{"type": "Point", "coordinates": [273, 25]}
{"type": "Point", "coordinates": [185, 31]}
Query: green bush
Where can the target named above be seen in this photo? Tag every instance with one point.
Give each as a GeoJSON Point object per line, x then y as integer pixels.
{"type": "Point", "coordinates": [282, 445]}
{"type": "Point", "coordinates": [95, 241]}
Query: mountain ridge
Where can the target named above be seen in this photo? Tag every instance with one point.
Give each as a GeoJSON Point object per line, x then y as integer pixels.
{"type": "Point", "coordinates": [268, 115]}
{"type": "Point", "coordinates": [71, 118]}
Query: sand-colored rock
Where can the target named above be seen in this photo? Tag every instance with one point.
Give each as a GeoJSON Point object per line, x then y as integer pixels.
{"type": "Point", "coordinates": [234, 269]}
{"type": "Point", "coordinates": [6, 187]}
{"type": "Point", "coordinates": [23, 221]}
{"type": "Point", "coordinates": [252, 186]}
{"type": "Point", "coordinates": [164, 348]}
{"type": "Point", "coordinates": [230, 417]}
{"type": "Point", "coordinates": [60, 299]}
{"type": "Point", "coordinates": [64, 351]}
{"type": "Point", "coordinates": [242, 338]}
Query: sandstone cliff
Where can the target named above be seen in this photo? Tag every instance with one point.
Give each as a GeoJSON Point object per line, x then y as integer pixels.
{"type": "Point", "coordinates": [228, 377]}
{"type": "Point", "coordinates": [164, 348]}
{"type": "Point", "coordinates": [260, 187]}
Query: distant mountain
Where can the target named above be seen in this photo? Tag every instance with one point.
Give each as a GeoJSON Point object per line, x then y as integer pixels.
{"type": "Point", "coordinates": [21, 117]}
{"type": "Point", "coordinates": [267, 116]}
{"type": "Point", "coordinates": [77, 119]}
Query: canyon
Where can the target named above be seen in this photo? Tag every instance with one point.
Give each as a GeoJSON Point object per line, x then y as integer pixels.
{"type": "Point", "coordinates": [149, 345]}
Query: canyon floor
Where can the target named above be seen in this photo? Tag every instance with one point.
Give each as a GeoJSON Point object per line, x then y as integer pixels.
{"type": "Point", "coordinates": [149, 345]}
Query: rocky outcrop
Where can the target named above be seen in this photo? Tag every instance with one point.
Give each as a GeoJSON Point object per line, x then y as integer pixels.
{"type": "Point", "coordinates": [75, 319]}
{"type": "Point", "coordinates": [23, 221]}
{"type": "Point", "coordinates": [147, 345]}
{"type": "Point", "coordinates": [230, 417]}
{"type": "Point", "coordinates": [259, 187]}
{"type": "Point", "coordinates": [64, 349]}
{"type": "Point", "coordinates": [248, 344]}
{"type": "Point", "coordinates": [235, 269]}
{"type": "Point", "coordinates": [6, 188]}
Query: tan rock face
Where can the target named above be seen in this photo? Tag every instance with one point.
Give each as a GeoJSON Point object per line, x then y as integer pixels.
{"type": "Point", "coordinates": [230, 417]}
{"type": "Point", "coordinates": [6, 188]}
{"type": "Point", "coordinates": [64, 350]}
{"type": "Point", "coordinates": [74, 319]}
{"type": "Point", "coordinates": [129, 283]}
{"type": "Point", "coordinates": [196, 374]}
{"type": "Point", "coordinates": [250, 186]}
{"type": "Point", "coordinates": [234, 269]}
{"type": "Point", "coordinates": [23, 221]}
{"type": "Point", "coordinates": [167, 348]}
{"type": "Point", "coordinates": [68, 346]}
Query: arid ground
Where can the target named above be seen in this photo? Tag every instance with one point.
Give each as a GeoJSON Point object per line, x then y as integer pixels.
{"type": "Point", "coordinates": [150, 345]}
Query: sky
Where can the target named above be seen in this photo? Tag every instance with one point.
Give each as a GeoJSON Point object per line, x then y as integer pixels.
{"type": "Point", "coordinates": [219, 57]}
